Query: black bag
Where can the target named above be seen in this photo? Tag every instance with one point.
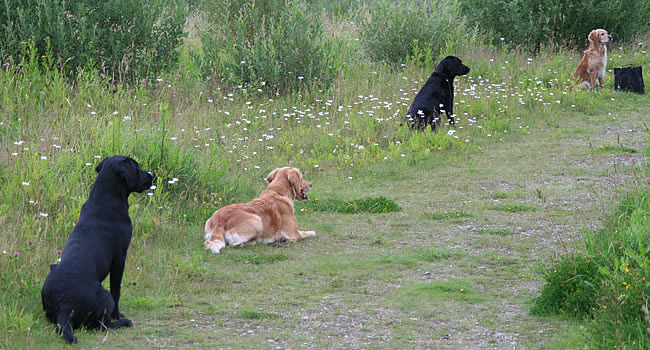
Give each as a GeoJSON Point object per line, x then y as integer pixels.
{"type": "Point", "coordinates": [629, 79]}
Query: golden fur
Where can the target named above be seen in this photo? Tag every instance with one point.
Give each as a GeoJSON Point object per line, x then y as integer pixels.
{"type": "Point", "coordinates": [268, 218]}
{"type": "Point", "coordinates": [593, 64]}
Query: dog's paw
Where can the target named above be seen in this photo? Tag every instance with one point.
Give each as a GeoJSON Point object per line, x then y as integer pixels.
{"type": "Point", "coordinates": [68, 337]}
{"type": "Point", "coordinates": [71, 339]}
{"type": "Point", "coordinates": [125, 322]}
{"type": "Point", "coordinates": [307, 233]}
{"type": "Point", "coordinates": [214, 246]}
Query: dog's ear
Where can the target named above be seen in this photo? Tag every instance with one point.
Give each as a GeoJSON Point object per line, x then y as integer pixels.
{"type": "Point", "coordinates": [450, 66]}
{"type": "Point", "coordinates": [593, 37]}
{"type": "Point", "coordinates": [271, 175]}
{"type": "Point", "coordinates": [128, 169]}
{"type": "Point", "coordinates": [294, 177]}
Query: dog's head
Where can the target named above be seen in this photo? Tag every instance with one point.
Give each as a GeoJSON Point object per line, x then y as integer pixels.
{"type": "Point", "coordinates": [128, 171]}
{"type": "Point", "coordinates": [598, 37]}
{"type": "Point", "coordinates": [292, 182]}
{"type": "Point", "coordinates": [452, 66]}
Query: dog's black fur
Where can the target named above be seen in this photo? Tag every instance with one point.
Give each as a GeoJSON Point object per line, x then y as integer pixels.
{"type": "Point", "coordinates": [438, 90]}
{"type": "Point", "coordinates": [72, 294]}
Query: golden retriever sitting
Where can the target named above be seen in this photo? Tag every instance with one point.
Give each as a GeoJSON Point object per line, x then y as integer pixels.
{"type": "Point", "coordinates": [268, 218]}
{"type": "Point", "coordinates": [593, 64]}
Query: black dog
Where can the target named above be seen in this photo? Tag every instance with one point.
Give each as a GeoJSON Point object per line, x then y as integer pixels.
{"type": "Point", "coordinates": [73, 295]}
{"type": "Point", "coordinates": [436, 95]}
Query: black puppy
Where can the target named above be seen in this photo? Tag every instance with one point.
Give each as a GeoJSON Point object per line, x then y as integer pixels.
{"type": "Point", "coordinates": [73, 295]}
{"type": "Point", "coordinates": [436, 95]}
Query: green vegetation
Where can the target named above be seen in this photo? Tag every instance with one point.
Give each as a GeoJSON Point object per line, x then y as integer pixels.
{"type": "Point", "coordinates": [606, 281]}
{"type": "Point", "coordinates": [364, 205]}
{"type": "Point", "coordinates": [514, 207]}
{"type": "Point", "coordinates": [396, 33]}
{"type": "Point", "coordinates": [497, 231]}
{"type": "Point", "coordinates": [119, 39]}
{"type": "Point", "coordinates": [256, 315]}
{"type": "Point", "coordinates": [274, 46]}
{"type": "Point", "coordinates": [258, 259]}
{"type": "Point", "coordinates": [449, 215]}
{"type": "Point", "coordinates": [611, 148]}
{"type": "Point", "coordinates": [399, 259]}
{"type": "Point", "coordinates": [552, 23]}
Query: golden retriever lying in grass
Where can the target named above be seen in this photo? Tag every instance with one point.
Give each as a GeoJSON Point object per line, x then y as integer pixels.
{"type": "Point", "coordinates": [593, 64]}
{"type": "Point", "coordinates": [268, 218]}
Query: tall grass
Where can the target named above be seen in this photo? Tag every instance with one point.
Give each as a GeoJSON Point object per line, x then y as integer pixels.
{"type": "Point", "coordinates": [275, 47]}
{"type": "Point", "coordinates": [393, 31]}
{"type": "Point", "coordinates": [124, 40]}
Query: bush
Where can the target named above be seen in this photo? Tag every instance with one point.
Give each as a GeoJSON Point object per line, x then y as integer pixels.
{"type": "Point", "coordinates": [121, 38]}
{"type": "Point", "coordinates": [275, 47]}
{"type": "Point", "coordinates": [392, 32]}
{"type": "Point", "coordinates": [571, 288]}
{"type": "Point", "coordinates": [562, 23]}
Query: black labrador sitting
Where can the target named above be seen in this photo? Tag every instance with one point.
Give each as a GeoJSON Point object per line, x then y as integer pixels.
{"type": "Point", "coordinates": [436, 95]}
{"type": "Point", "coordinates": [73, 295]}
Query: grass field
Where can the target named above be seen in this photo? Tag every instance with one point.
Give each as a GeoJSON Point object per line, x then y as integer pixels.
{"type": "Point", "coordinates": [482, 208]}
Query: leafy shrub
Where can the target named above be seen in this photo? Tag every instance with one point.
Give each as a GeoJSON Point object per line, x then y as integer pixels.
{"type": "Point", "coordinates": [123, 39]}
{"type": "Point", "coordinates": [536, 23]}
{"type": "Point", "coordinates": [571, 288]}
{"type": "Point", "coordinates": [274, 46]}
{"type": "Point", "coordinates": [392, 32]}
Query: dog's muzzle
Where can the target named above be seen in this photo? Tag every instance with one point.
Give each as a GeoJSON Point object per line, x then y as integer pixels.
{"type": "Point", "coordinates": [303, 193]}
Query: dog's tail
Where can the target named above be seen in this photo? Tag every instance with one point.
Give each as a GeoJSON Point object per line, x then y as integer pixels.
{"type": "Point", "coordinates": [576, 79]}
{"type": "Point", "coordinates": [64, 326]}
{"type": "Point", "coordinates": [578, 76]}
{"type": "Point", "coordinates": [214, 236]}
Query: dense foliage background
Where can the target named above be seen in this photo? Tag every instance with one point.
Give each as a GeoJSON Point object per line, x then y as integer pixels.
{"type": "Point", "coordinates": [556, 23]}
{"type": "Point", "coordinates": [120, 39]}
{"type": "Point", "coordinates": [279, 45]}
